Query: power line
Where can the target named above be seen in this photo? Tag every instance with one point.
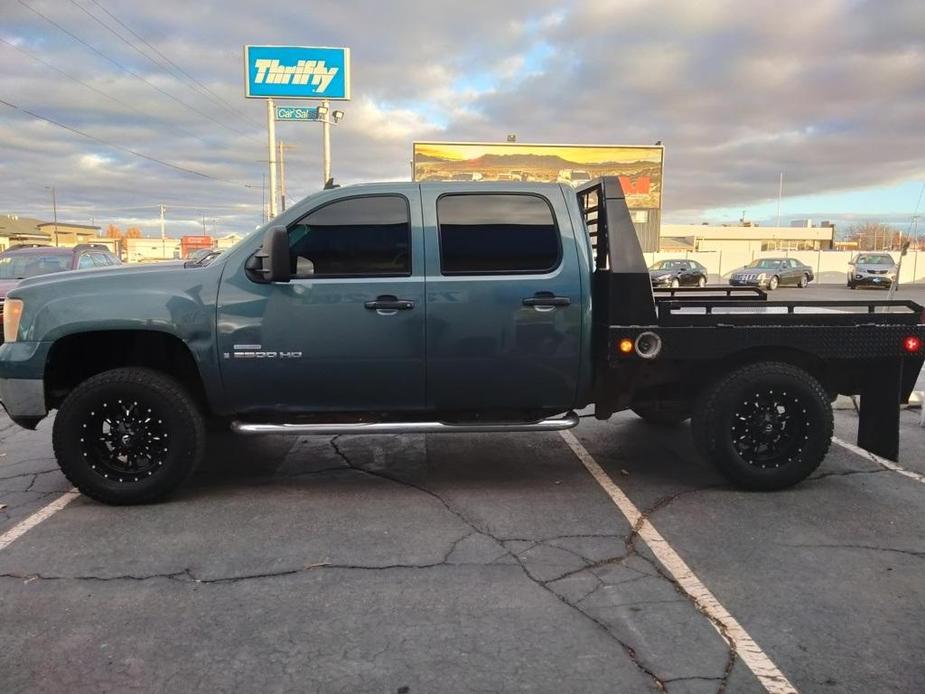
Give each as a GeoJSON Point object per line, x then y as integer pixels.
{"type": "Point", "coordinates": [33, 56]}
{"type": "Point", "coordinates": [124, 149]}
{"type": "Point", "coordinates": [205, 88]}
{"type": "Point", "coordinates": [132, 73]}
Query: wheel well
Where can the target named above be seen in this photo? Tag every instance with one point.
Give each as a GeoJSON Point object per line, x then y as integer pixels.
{"type": "Point", "coordinates": [75, 358]}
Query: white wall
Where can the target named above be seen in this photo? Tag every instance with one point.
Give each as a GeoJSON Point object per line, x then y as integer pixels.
{"type": "Point", "coordinates": [828, 266]}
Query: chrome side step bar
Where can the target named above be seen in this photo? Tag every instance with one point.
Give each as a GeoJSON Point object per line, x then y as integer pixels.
{"type": "Point", "coordinates": [567, 421]}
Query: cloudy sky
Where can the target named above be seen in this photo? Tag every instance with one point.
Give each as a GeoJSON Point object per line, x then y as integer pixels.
{"type": "Point", "coordinates": [829, 92]}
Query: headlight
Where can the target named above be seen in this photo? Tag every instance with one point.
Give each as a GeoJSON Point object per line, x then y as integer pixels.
{"type": "Point", "coordinates": [12, 313]}
{"type": "Point", "coordinates": [859, 276]}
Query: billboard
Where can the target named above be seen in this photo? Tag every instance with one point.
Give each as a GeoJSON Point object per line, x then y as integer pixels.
{"type": "Point", "coordinates": [639, 167]}
{"type": "Point", "coordinates": [296, 72]}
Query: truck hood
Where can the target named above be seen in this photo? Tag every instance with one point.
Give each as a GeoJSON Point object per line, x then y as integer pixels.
{"type": "Point", "coordinates": [136, 272]}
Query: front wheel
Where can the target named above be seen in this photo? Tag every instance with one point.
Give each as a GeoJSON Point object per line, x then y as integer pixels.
{"type": "Point", "coordinates": [701, 281]}
{"type": "Point", "coordinates": [804, 280]}
{"type": "Point", "coordinates": [765, 426]}
{"type": "Point", "coordinates": [772, 283]}
{"type": "Point", "coordinates": [128, 436]}
{"type": "Point", "coordinates": [675, 283]}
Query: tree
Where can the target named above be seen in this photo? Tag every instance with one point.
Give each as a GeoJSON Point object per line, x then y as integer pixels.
{"type": "Point", "coordinates": [875, 236]}
{"type": "Point", "coordinates": [133, 233]}
{"type": "Point", "coordinates": [113, 232]}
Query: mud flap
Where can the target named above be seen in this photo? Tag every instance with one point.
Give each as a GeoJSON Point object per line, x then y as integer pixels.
{"type": "Point", "coordinates": [878, 428]}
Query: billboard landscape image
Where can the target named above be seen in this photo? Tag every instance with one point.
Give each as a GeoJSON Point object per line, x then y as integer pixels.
{"type": "Point", "coordinates": [639, 168]}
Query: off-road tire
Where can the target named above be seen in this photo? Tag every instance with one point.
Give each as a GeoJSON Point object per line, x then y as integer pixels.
{"type": "Point", "coordinates": [731, 405]}
{"type": "Point", "coordinates": [662, 414]}
{"type": "Point", "coordinates": [145, 393]}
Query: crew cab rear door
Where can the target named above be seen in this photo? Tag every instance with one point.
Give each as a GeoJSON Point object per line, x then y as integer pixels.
{"type": "Point", "coordinates": [504, 299]}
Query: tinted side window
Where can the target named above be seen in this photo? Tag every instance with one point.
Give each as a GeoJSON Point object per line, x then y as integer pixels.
{"type": "Point", "coordinates": [100, 259]}
{"type": "Point", "coordinates": [358, 236]}
{"type": "Point", "coordinates": [84, 262]}
{"type": "Point", "coordinates": [496, 233]}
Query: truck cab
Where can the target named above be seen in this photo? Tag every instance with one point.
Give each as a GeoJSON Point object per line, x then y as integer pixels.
{"type": "Point", "coordinates": [412, 297]}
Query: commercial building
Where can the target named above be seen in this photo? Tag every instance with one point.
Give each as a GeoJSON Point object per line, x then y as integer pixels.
{"type": "Point", "coordinates": [745, 239]}
{"type": "Point", "coordinates": [16, 230]}
{"type": "Point", "coordinates": [67, 234]}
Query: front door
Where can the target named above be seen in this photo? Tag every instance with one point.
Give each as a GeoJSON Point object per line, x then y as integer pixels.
{"type": "Point", "coordinates": [504, 301]}
{"type": "Point", "coordinates": [347, 332]}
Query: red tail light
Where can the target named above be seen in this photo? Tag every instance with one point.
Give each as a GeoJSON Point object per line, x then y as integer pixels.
{"type": "Point", "coordinates": [912, 344]}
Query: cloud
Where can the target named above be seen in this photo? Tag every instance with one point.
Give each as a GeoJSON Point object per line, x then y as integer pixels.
{"type": "Point", "coordinates": [831, 92]}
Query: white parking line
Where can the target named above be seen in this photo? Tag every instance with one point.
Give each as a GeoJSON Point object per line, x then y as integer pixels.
{"type": "Point", "coordinates": [751, 654]}
{"type": "Point", "coordinates": [42, 514]}
{"type": "Point", "coordinates": [888, 464]}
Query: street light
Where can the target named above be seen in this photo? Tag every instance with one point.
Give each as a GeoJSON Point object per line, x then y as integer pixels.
{"type": "Point", "coordinates": [327, 118]}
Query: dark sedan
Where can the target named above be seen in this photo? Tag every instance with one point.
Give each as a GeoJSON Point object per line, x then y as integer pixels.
{"type": "Point", "coordinates": [773, 273]}
{"type": "Point", "coordinates": [678, 273]}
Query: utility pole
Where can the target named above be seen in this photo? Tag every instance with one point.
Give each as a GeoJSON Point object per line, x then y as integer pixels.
{"type": "Point", "coordinates": [780, 195]}
{"type": "Point", "coordinates": [271, 149]}
{"type": "Point", "coordinates": [326, 143]}
{"type": "Point", "coordinates": [54, 210]}
{"type": "Point", "coordinates": [163, 232]}
{"type": "Point", "coordinates": [282, 174]}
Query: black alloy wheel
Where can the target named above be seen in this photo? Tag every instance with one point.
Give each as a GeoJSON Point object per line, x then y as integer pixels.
{"type": "Point", "coordinates": [765, 426]}
{"type": "Point", "coordinates": [128, 436]}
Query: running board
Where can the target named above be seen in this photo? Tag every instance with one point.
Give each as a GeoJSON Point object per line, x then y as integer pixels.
{"type": "Point", "coordinates": [567, 421]}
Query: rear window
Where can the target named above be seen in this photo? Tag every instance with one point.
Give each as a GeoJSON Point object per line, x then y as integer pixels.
{"type": "Point", "coordinates": [496, 233]}
{"type": "Point", "coordinates": [21, 266]}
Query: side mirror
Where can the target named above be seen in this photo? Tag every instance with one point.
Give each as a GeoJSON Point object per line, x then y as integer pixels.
{"type": "Point", "coordinates": [274, 256]}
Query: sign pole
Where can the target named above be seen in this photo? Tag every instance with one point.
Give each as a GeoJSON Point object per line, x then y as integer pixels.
{"type": "Point", "coordinates": [271, 149]}
{"type": "Point", "coordinates": [326, 143]}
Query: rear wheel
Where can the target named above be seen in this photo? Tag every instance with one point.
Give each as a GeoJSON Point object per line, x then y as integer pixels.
{"type": "Point", "coordinates": [773, 282]}
{"type": "Point", "coordinates": [765, 426]}
{"type": "Point", "coordinates": [128, 436]}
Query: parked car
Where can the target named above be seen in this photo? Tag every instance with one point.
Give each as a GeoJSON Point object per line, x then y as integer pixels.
{"type": "Point", "coordinates": [678, 273]}
{"type": "Point", "coordinates": [20, 262]}
{"type": "Point", "coordinates": [437, 308]}
{"type": "Point", "coordinates": [772, 273]}
{"type": "Point", "coordinates": [574, 177]}
{"type": "Point", "coordinates": [872, 270]}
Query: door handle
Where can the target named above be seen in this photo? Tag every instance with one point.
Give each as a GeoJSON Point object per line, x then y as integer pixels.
{"type": "Point", "coordinates": [387, 302]}
{"type": "Point", "coordinates": [544, 299]}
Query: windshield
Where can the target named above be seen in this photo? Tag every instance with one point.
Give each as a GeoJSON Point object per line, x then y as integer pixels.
{"type": "Point", "coordinates": [19, 267]}
{"type": "Point", "coordinates": [875, 260]}
{"type": "Point", "coordinates": [765, 264]}
{"type": "Point", "coordinates": [666, 264]}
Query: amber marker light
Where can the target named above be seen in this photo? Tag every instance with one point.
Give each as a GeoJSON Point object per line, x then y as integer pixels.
{"type": "Point", "coordinates": [625, 346]}
{"type": "Point", "coordinates": [12, 313]}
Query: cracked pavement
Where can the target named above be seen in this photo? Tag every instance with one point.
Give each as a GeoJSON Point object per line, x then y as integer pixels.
{"type": "Point", "coordinates": [461, 563]}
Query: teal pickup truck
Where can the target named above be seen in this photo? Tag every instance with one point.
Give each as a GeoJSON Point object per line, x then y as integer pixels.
{"type": "Point", "coordinates": [431, 308]}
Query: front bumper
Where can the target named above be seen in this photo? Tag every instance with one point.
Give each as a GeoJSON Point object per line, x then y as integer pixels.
{"type": "Point", "coordinates": [665, 282]}
{"type": "Point", "coordinates": [872, 281]}
{"type": "Point", "coordinates": [748, 283]}
{"type": "Point", "coordinates": [22, 386]}
{"type": "Point", "coordinates": [23, 397]}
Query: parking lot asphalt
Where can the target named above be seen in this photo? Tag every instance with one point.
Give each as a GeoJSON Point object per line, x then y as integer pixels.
{"type": "Point", "coordinates": [456, 563]}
